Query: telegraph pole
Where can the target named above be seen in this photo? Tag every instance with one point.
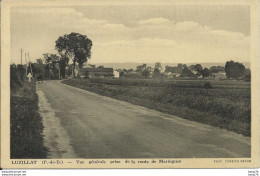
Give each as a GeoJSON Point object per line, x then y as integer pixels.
{"type": "Point", "coordinates": [26, 64]}
{"type": "Point", "coordinates": [49, 66]}
{"type": "Point", "coordinates": [21, 57]}
{"type": "Point", "coordinates": [21, 68]}
{"type": "Point", "coordinates": [59, 72]}
{"type": "Point", "coordinates": [59, 66]}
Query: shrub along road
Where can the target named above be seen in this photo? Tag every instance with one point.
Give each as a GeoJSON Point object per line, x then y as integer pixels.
{"type": "Point", "coordinates": [102, 127]}
{"type": "Point", "coordinates": [26, 123]}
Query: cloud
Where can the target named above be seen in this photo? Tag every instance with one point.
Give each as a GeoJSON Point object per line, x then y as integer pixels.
{"type": "Point", "coordinates": [115, 27]}
{"type": "Point", "coordinates": [43, 15]}
{"type": "Point", "coordinates": [187, 26]}
{"type": "Point", "coordinates": [143, 42]}
{"type": "Point", "coordinates": [48, 11]}
{"type": "Point", "coordinates": [154, 38]}
{"type": "Point", "coordinates": [154, 21]}
{"type": "Point", "coordinates": [227, 34]}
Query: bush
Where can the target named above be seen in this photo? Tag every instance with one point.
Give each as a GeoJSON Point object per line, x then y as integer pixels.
{"type": "Point", "coordinates": [207, 85]}
{"type": "Point", "coordinates": [26, 124]}
{"type": "Point", "coordinates": [14, 80]}
{"type": "Point", "coordinates": [247, 78]}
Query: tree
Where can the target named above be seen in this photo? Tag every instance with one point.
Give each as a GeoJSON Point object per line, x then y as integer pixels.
{"type": "Point", "coordinates": [180, 68]}
{"type": "Point", "coordinates": [247, 75]}
{"type": "Point", "coordinates": [156, 72]}
{"type": "Point", "coordinates": [122, 74]}
{"type": "Point", "coordinates": [52, 62]}
{"type": "Point", "coordinates": [39, 61]}
{"type": "Point", "coordinates": [234, 69]}
{"type": "Point", "coordinates": [141, 68]}
{"type": "Point", "coordinates": [158, 65]}
{"type": "Point", "coordinates": [146, 73]}
{"type": "Point", "coordinates": [205, 72]}
{"type": "Point", "coordinates": [75, 46]}
{"type": "Point", "coordinates": [144, 70]}
{"type": "Point", "coordinates": [63, 63]}
{"type": "Point", "coordinates": [172, 69]}
{"type": "Point", "coordinates": [37, 69]}
{"type": "Point", "coordinates": [168, 68]}
{"type": "Point", "coordinates": [46, 58]}
{"type": "Point", "coordinates": [216, 69]}
{"type": "Point", "coordinates": [186, 72]}
{"type": "Point", "coordinates": [47, 61]}
{"type": "Point", "coordinates": [198, 68]}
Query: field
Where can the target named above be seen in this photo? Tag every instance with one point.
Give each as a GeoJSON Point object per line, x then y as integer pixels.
{"type": "Point", "coordinates": [26, 123]}
{"type": "Point", "coordinates": [226, 105]}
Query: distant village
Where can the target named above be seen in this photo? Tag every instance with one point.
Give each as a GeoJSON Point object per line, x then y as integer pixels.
{"type": "Point", "coordinates": [55, 70]}
{"type": "Point", "coordinates": [143, 71]}
{"type": "Point", "coordinates": [232, 70]}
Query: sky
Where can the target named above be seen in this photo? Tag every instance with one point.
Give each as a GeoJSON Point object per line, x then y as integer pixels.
{"type": "Point", "coordinates": [143, 34]}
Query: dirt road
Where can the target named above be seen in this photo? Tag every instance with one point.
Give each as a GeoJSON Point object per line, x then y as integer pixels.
{"type": "Point", "coordinates": [81, 124]}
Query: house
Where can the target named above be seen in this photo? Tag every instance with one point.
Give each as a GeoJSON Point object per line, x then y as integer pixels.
{"type": "Point", "coordinates": [97, 72]}
{"type": "Point", "coordinates": [175, 75]}
{"type": "Point", "coordinates": [167, 74]}
{"type": "Point", "coordinates": [116, 73]}
{"type": "Point", "coordinates": [218, 75]}
{"type": "Point", "coordinates": [171, 75]}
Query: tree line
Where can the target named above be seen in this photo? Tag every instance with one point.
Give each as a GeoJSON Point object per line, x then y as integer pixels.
{"type": "Point", "coordinates": [72, 48]}
{"type": "Point", "coordinates": [232, 70]}
{"type": "Point", "coordinates": [75, 48]}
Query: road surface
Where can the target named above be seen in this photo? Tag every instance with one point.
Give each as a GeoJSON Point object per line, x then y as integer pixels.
{"type": "Point", "coordinates": [81, 124]}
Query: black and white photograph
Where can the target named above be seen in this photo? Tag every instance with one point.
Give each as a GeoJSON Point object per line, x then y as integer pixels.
{"type": "Point", "coordinates": [131, 82]}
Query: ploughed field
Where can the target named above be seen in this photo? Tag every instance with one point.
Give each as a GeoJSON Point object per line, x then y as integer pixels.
{"type": "Point", "coordinates": [226, 105]}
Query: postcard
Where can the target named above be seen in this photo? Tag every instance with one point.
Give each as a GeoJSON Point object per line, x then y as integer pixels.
{"type": "Point", "coordinates": [130, 84]}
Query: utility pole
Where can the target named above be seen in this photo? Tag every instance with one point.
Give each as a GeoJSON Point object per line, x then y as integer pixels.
{"type": "Point", "coordinates": [21, 68]}
{"type": "Point", "coordinates": [21, 57]}
{"type": "Point", "coordinates": [49, 65]}
{"type": "Point", "coordinates": [59, 66]}
{"type": "Point", "coordinates": [49, 71]}
{"type": "Point", "coordinates": [26, 67]}
{"type": "Point", "coordinates": [59, 72]}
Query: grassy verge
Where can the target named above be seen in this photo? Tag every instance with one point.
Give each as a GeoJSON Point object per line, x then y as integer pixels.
{"type": "Point", "coordinates": [26, 123]}
{"type": "Point", "coordinates": [227, 105]}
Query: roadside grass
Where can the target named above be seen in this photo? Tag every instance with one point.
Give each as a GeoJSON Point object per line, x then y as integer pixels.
{"type": "Point", "coordinates": [26, 123]}
{"type": "Point", "coordinates": [227, 105]}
